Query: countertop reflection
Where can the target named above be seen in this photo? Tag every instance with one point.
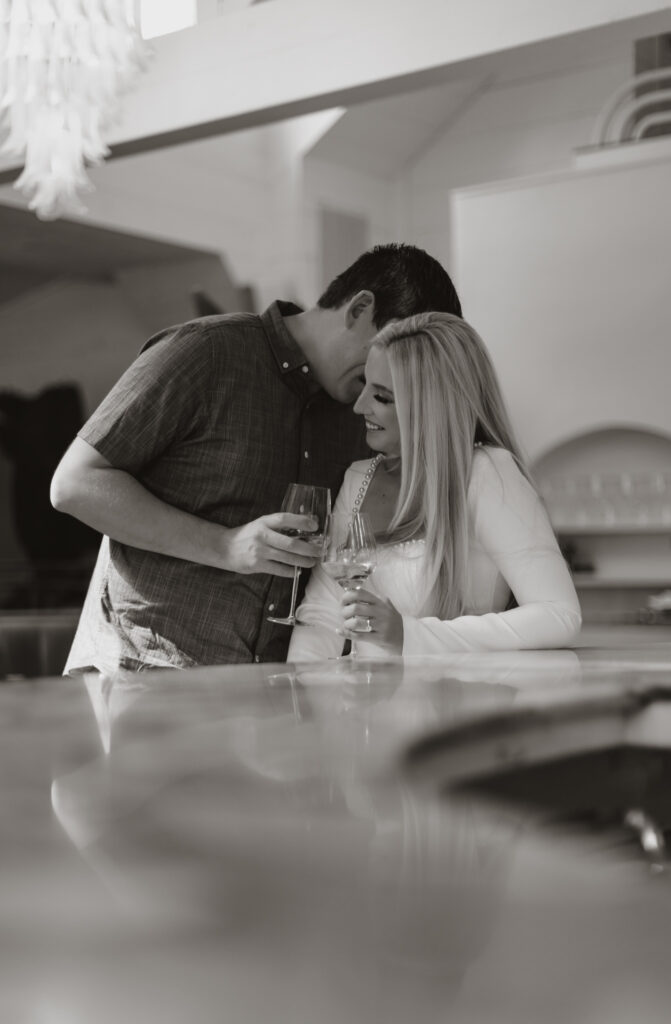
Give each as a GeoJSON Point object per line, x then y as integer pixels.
{"type": "Point", "coordinates": [241, 844]}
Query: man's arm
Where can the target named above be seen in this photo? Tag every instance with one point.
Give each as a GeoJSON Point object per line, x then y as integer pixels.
{"type": "Point", "coordinates": [87, 486]}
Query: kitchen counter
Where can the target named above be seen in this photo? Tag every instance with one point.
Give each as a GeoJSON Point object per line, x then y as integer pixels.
{"type": "Point", "coordinates": [243, 844]}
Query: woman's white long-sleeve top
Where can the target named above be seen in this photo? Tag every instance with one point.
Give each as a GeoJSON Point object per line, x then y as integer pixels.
{"type": "Point", "coordinates": [512, 547]}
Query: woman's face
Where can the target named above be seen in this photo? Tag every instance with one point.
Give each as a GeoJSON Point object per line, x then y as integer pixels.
{"type": "Point", "coordinates": [377, 405]}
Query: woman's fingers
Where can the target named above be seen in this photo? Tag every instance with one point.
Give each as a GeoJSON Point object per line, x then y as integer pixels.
{"type": "Point", "coordinates": [359, 613]}
{"type": "Point", "coordinates": [352, 609]}
{"type": "Point", "coordinates": [360, 595]}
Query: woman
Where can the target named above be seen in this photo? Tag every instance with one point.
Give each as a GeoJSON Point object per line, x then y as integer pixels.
{"type": "Point", "coordinates": [467, 559]}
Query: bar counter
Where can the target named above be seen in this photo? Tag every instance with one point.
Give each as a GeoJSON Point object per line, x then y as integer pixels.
{"type": "Point", "coordinates": [270, 843]}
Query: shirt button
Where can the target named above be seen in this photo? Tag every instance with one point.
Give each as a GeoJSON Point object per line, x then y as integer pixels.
{"type": "Point", "coordinates": [285, 366]}
{"type": "Point", "coordinates": [306, 454]}
{"type": "Point", "coordinates": [306, 369]}
{"type": "Point", "coordinates": [257, 658]}
{"type": "Point", "coordinates": [271, 607]}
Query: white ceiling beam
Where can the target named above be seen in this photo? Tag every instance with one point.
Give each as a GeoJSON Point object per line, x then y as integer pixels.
{"type": "Point", "coordinates": [283, 58]}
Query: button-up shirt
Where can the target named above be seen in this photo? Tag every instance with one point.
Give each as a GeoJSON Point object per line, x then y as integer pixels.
{"type": "Point", "coordinates": [216, 417]}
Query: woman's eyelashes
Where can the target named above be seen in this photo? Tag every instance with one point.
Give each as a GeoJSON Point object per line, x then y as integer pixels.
{"type": "Point", "coordinates": [382, 399]}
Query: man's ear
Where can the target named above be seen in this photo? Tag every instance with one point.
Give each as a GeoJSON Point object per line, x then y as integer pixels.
{"type": "Point", "coordinates": [360, 305]}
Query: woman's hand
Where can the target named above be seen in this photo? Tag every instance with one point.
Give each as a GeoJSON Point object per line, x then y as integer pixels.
{"type": "Point", "coordinates": [386, 623]}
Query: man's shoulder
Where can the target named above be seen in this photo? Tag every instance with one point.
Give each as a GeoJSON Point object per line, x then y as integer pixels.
{"type": "Point", "coordinates": [206, 330]}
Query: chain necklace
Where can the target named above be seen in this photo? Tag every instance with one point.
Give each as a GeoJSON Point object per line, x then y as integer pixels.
{"type": "Point", "coordinates": [370, 473]}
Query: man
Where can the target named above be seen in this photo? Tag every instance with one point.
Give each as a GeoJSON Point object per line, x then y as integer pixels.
{"type": "Point", "coordinates": [185, 462]}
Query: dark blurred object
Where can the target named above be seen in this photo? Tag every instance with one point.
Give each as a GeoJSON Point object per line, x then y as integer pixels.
{"type": "Point", "coordinates": [657, 611]}
{"type": "Point", "coordinates": [34, 433]}
{"type": "Point", "coordinates": [203, 304]}
{"type": "Point", "coordinates": [654, 54]}
{"type": "Point", "coordinates": [248, 302]}
{"type": "Point", "coordinates": [575, 559]}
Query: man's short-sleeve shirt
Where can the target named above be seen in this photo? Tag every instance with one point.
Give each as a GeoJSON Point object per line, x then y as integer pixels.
{"type": "Point", "coordinates": [215, 417]}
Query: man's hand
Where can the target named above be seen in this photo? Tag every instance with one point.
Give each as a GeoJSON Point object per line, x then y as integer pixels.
{"type": "Point", "coordinates": [386, 624]}
{"type": "Point", "coordinates": [264, 545]}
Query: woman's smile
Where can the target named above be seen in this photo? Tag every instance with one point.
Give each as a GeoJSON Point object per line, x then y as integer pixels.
{"type": "Point", "coordinates": [377, 398]}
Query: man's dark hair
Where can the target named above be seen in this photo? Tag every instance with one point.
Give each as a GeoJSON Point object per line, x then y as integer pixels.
{"type": "Point", "coordinates": [404, 280]}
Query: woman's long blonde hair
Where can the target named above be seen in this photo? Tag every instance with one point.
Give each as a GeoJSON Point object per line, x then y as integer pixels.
{"type": "Point", "coordinates": [448, 400]}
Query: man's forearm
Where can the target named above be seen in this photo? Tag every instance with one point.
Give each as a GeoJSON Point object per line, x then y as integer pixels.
{"type": "Point", "coordinates": [87, 486]}
{"type": "Point", "coordinates": [115, 503]}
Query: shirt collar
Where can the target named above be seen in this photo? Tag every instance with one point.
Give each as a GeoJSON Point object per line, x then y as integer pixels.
{"type": "Point", "coordinates": [287, 352]}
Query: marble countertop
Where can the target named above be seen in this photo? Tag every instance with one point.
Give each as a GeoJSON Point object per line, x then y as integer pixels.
{"type": "Point", "coordinates": [243, 844]}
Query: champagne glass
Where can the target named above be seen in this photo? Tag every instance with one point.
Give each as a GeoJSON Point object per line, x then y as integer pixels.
{"type": "Point", "coordinates": [304, 499]}
{"type": "Point", "coordinates": [349, 555]}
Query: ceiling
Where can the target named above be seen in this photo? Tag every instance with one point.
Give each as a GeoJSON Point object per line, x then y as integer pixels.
{"type": "Point", "coordinates": [382, 136]}
{"type": "Point", "coordinates": [378, 137]}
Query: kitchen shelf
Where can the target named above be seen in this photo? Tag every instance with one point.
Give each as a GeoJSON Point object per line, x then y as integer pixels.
{"type": "Point", "coordinates": [589, 581]}
{"type": "Point", "coordinates": [604, 530]}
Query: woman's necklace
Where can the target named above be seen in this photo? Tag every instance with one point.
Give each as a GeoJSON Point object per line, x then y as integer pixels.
{"type": "Point", "coordinates": [365, 483]}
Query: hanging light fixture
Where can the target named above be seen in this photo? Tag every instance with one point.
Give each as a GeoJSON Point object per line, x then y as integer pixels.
{"type": "Point", "coordinates": [64, 65]}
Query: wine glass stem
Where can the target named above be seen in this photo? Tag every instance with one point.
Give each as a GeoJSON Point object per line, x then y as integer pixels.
{"type": "Point", "coordinates": [294, 591]}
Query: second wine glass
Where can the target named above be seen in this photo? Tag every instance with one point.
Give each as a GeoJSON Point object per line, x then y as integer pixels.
{"type": "Point", "coordinates": [350, 555]}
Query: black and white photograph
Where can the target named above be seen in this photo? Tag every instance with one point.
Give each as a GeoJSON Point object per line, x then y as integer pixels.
{"type": "Point", "coordinates": [335, 512]}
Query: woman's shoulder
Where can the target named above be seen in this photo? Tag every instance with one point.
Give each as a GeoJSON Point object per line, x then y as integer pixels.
{"type": "Point", "coordinates": [488, 459]}
{"type": "Point", "coordinates": [495, 470]}
{"type": "Point", "coordinates": [357, 470]}
{"type": "Point", "coordinates": [361, 466]}
{"type": "Point", "coordinates": [354, 476]}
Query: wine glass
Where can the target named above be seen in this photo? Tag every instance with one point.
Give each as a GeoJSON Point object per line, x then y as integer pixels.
{"type": "Point", "coordinates": [349, 555]}
{"type": "Point", "coordinates": [304, 499]}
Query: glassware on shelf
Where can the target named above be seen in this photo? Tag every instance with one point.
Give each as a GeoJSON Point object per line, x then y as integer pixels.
{"type": "Point", "coordinates": [591, 501]}
{"type": "Point", "coordinates": [602, 497]}
{"type": "Point", "coordinates": [654, 493]}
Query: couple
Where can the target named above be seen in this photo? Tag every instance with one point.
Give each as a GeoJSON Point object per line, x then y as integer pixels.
{"type": "Point", "coordinates": [185, 462]}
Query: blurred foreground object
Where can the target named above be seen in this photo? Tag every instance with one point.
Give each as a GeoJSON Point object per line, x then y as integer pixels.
{"type": "Point", "coordinates": [63, 68]}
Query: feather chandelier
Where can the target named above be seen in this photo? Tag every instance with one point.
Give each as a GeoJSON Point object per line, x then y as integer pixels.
{"type": "Point", "coordinates": [64, 65]}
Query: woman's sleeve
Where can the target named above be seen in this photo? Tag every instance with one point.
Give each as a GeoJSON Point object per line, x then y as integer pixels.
{"type": "Point", "coordinates": [511, 525]}
{"type": "Point", "coordinates": [316, 637]}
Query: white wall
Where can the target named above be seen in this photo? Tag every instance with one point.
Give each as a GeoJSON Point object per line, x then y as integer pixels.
{"type": "Point", "coordinates": [504, 267]}
{"type": "Point", "coordinates": [159, 294]}
{"type": "Point", "coordinates": [509, 131]}
{"type": "Point", "coordinates": [211, 198]}
{"type": "Point", "coordinates": [567, 278]}
{"type": "Point", "coordinates": [68, 331]}
{"type": "Point", "coordinates": [349, 191]}
{"type": "Point", "coordinates": [252, 197]}
{"type": "Point", "coordinates": [216, 197]}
